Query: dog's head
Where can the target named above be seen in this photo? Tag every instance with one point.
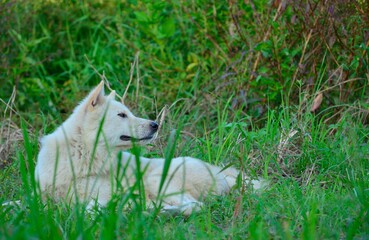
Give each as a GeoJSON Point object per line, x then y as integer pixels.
{"type": "Point", "coordinates": [118, 127]}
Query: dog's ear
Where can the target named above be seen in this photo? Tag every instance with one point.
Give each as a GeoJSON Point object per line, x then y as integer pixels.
{"type": "Point", "coordinates": [112, 95]}
{"type": "Point", "coordinates": [96, 97]}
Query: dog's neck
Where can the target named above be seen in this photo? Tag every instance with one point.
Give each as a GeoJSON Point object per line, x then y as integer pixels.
{"type": "Point", "coordinates": [97, 157]}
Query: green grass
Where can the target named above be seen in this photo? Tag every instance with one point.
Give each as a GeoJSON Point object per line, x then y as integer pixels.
{"type": "Point", "coordinates": [321, 192]}
{"type": "Point", "coordinates": [240, 80]}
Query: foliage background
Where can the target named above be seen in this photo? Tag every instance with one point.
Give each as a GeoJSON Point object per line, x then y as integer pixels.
{"type": "Point", "coordinates": [257, 53]}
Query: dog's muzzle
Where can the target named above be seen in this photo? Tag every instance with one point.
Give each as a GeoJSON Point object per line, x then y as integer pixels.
{"type": "Point", "coordinates": [154, 128]}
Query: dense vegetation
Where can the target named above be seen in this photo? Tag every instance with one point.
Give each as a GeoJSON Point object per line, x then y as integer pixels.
{"type": "Point", "coordinates": [276, 88]}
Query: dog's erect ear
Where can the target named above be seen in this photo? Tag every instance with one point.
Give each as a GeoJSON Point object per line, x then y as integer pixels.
{"type": "Point", "coordinates": [112, 95]}
{"type": "Point", "coordinates": [96, 97]}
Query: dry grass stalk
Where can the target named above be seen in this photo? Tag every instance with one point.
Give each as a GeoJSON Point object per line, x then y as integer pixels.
{"type": "Point", "coordinates": [135, 62]}
{"type": "Point", "coordinates": [11, 137]}
{"type": "Point", "coordinates": [10, 134]}
{"type": "Point", "coordinates": [285, 146]}
{"type": "Point", "coordinates": [308, 173]}
{"type": "Point", "coordinates": [161, 117]}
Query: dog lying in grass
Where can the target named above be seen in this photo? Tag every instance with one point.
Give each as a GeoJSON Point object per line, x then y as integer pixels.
{"type": "Point", "coordinates": [79, 160]}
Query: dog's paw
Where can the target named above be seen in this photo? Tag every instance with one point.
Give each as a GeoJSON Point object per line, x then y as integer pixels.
{"type": "Point", "coordinates": [186, 209]}
{"type": "Point", "coordinates": [259, 184]}
{"type": "Point", "coordinates": [170, 210]}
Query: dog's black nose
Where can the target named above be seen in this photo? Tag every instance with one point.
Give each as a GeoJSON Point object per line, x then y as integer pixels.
{"type": "Point", "coordinates": [154, 125]}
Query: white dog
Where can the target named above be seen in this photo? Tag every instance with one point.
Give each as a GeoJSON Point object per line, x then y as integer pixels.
{"type": "Point", "coordinates": [78, 162]}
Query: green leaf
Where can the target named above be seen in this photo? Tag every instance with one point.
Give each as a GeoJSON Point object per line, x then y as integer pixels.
{"type": "Point", "coordinates": [167, 28]}
{"type": "Point", "coordinates": [142, 17]}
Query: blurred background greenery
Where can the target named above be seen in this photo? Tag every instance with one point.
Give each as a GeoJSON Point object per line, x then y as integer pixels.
{"type": "Point", "coordinates": [257, 54]}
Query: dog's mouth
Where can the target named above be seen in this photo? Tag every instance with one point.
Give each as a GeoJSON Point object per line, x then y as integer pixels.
{"type": "Point", "coordinates": [133, 139]}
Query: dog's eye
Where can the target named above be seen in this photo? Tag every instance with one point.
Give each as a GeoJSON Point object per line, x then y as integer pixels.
{"type": "Point", "coordinates": [122, 115]}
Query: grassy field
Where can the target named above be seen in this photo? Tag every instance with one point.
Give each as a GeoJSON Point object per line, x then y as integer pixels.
{"type": "Point", "coordinates": [278, 89]}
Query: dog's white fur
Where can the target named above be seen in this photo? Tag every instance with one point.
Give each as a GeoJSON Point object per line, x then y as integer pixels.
{"type": "Point", "coordinates": [78, 161]}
